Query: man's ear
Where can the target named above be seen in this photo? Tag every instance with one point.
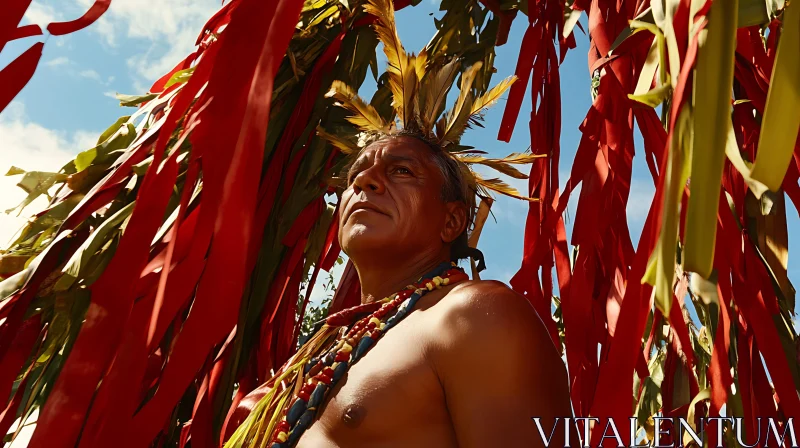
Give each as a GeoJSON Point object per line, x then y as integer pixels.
{"type": "Point", "coordinates": [455, 221]}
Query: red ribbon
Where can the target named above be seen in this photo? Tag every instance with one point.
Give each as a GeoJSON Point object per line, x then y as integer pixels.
{"type": "Point", "coordinates": [61, 28]}
{"type": "Point", "coordinates": [17, 74]}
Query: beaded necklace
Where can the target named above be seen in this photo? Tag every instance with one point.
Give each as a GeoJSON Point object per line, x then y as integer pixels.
{"type": "Point", "coordinates": [282, 416]}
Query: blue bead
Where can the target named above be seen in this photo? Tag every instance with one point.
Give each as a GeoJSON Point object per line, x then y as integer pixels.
{"type": "Point", "coordinates": [277, 445]}
{"type": "Point", "coordinates": [310, 365]}
{"type": "Point", "coordinates": [317, 396]}
{"type": "Point", "coordinates": [401, 314]}
{"type": "Point", "coordinates": [363, 345]}
{"type": "Point", "coordinates": [302, 425]}
{"type": "Point", "coordinates": [339, 371]}
{"type": "Point", "coordinates": [295, 411]}
{"type": "Point", "coordinates": [328, 359]}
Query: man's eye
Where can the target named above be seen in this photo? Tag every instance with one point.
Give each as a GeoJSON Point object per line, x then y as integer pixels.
{"type": "Point", "coordinates": [403, 170]}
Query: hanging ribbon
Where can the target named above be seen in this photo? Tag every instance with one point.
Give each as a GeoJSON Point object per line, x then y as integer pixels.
{"type": "Point", "coordinates": [19, 72]}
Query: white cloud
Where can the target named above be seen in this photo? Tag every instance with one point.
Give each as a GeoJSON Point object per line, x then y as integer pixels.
{"type": "Point", "coordinates": [171, 28]}
{"type": "Point", "coordinates": [57, 62]}
{"type": "Point", "coordinates": [41, 14]}
{"type": "Point", "coordinates": [30, 146]}
{"type": "Point", "coordinates": [90, 74]}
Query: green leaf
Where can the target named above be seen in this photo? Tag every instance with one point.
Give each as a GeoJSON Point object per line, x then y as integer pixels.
{"type": "Point", "coordinates": [713, 79]}
{"type": "Point", "coordinates": [76, 265]}
{"type": "Point", "coordinates": [677, 172]}
{"type": "Point", "coordinates": [571, 18]}
{"type": "Point", "coordinates": [123, 138]}
{"type": "Point", "coordinates": [782, 112]}
{"type": "Point", "coordinates": [84, 159]}
{"type": "Point", "coordinates": [654, 97]}
{"type": "Point", "coordinates": [13, 171]}
{"type": "Point", "coordinates": [134, 100]}
{"type": "Point", "coordinates": [36, 183]}
{"type": "Point", "coordinates": [112, 129]}
{"type": "Point", "coordinates": [179, 77]}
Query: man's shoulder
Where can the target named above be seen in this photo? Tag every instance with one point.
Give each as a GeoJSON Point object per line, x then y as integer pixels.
{"type": "Point", "coordinates": [474, 298]}
{"type": "Point", "coordinates": [487, 309]}
{"type": "Point", "coordinates": [486, 321]}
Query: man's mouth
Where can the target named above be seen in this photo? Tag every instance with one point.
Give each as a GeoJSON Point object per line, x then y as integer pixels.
{"type": "Point", "coordinates": [365, 207]}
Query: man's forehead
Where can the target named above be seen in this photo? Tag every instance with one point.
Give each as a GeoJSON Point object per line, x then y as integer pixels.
{"type": "Point", "coordinates": [400, 147]}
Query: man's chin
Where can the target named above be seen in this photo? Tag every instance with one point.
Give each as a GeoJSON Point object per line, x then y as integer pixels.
{"type": "Point", "coordinates": [364, 238]}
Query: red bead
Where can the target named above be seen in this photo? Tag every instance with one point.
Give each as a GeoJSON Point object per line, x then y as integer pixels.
{"type": "Point", "coordinates": [371, 326]}
{"type": "Point", "coordinates": [282, 426]}
{"type": "Point", "coordinates": [325, 379]}
{"type": "Point", "coordinates": [307, 388]}
{"type": "Point", "coordinates": [314, 370]}
{"type": "Point", "coordinates": [305, 396]}
{"type": "Point", "coordinates": [327, 371]}
{"type": "Point", "coordinates": [342, 356]}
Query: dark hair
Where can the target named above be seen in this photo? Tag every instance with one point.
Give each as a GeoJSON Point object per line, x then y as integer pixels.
{"type": "Point", "coordinates": [454, 187]}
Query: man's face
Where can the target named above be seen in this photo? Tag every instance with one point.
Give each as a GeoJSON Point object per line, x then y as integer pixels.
{"type": "Point", "coordinates": [393, 202]}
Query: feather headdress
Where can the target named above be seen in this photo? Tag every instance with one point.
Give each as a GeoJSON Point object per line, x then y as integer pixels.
{"type": "Point", "coordinates": [419, 85]}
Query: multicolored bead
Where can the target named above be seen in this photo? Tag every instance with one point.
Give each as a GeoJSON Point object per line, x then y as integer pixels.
{"type": "Point", "coordinates": [323, 372]}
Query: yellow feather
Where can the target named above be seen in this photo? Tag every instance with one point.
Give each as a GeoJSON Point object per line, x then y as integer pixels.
{"type": "Point", "coordinates": [401, 68]}
{"type": "Point", "coordinates": [522, 158]}
{"type": "Point", "coordinates": [421, 64]}
{"type": "Point", "coordinates": [487, 99]}
{"type": "Point", "coordinates": [458, 116]}
{"type": "Point", "coordinates": [366, 117]}
{"type": "Point", "coordinates": [433, 93]}
{"type": "Point", "coordinates": [344, 145]}
{"type": "Point", "coordinates": [501, 187]}
{"type": "Point", "coordinates": [498, 165]}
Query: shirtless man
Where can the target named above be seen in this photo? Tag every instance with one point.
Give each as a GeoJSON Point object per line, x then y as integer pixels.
{"type": "Point", "coordinates": [473, 363]}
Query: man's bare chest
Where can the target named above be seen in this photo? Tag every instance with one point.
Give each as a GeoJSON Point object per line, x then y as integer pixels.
{"type": "Point", "coordinates": [389, 395]}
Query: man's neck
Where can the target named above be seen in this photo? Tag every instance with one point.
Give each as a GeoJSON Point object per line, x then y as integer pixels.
{"type": "Point", "coordinates": [379, 280]}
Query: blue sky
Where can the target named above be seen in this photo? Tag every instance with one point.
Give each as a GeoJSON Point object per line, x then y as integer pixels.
{"type": "Point", "coordinates": [70, 101]}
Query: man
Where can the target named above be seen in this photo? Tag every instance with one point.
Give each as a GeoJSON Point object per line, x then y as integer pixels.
{"type": "Point", "coordinates": [437, 364]}
{"type": "Point", "coordinates": [472, 363]}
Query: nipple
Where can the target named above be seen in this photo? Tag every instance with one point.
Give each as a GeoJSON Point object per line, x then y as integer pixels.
{"type": "Point", "coordinates": [354, 415]}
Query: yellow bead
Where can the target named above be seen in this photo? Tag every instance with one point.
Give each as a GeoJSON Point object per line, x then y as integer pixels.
{"type": "Point", "coordinates": [445, 281]}
{"type": "Point", "coordinates": [375, 320]}
{"type": "Point", "coordinates": [437, 280]}
{"type": "Point", "coordinates": [429, 285]}
{"type": "Point", "coordinates": [347, 348]}
{"type": "Point", "coordinates": [383, 325]}
{"type": "Point", "coordinates": [281, 437]}
{"type": "Point", "coordinates": [418, 292]}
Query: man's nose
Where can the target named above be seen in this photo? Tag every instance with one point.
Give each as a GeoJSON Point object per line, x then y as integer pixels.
{"type": "Point", "coordinates": [369, 180]}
